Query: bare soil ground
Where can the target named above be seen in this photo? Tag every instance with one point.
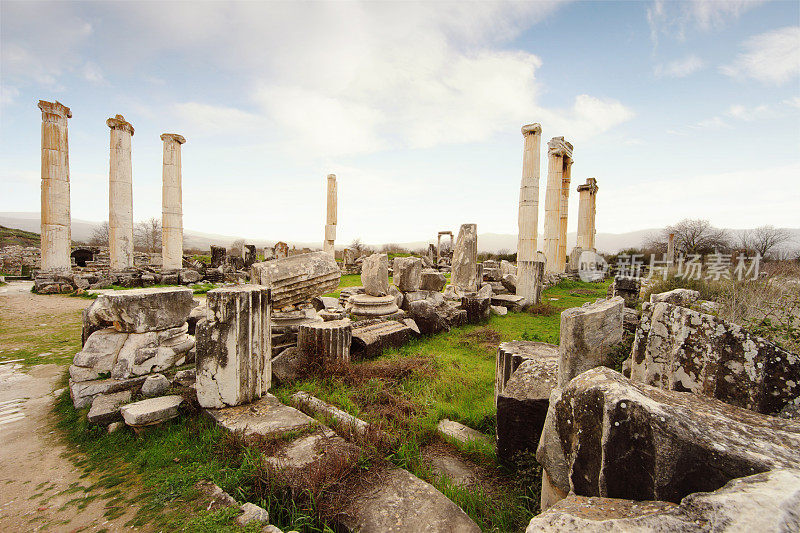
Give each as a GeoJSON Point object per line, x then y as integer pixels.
{"type": "Point", "coordinates": [41, 489]}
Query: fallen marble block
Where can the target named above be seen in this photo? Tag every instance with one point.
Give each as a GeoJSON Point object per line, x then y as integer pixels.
{"type": "Point", "coordinates": [151, 411]}
{"type": "Point", "coordinates": [297, 278]}
{"type": "Point", "coordinates": [105, 407]}
{"type": "Point", "coordinates": [142, 310]}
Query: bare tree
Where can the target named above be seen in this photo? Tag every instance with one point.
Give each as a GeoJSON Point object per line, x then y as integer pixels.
{"type": "Point", "coordinates": [99, 235]}
{"type": "Point", "coordinates": [697, 236]}
{"type": "Point", "coordinates": [147, 235]}
{"type": "Point", "coordinates": [764, 239]}
{"type": "Point", "coordinates": [357, 245]}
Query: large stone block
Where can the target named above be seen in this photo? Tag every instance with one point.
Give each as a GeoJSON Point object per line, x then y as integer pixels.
{"type": "Point", "coordinates": [234, 347]}
{"type": "Point", "coordinates": [766, 502]}
{"type": "Point", "coordinates": [681, 349]}
{"type": "Point", "coordinates": [143, 310]}
{"type": "Point", "coordinates": [511, 354]}
{"type": "Point", "coordinates": [151, 411]}
{"type": "Point", "coordinates": [432, 280]}
{"type": "Point", "coordinates": [154, 351]}
{"type": "Point", "coordinates": [407, 273]}
{"type": "Point", "coordinates": [375, 275]}
{"type": "Point", "coordinates": [623, 439]}
{"type": "Point", "coordinates": [371, 337]}
{"type": "Point", "coordinates": [587, 335]}
{"type": "Point", "coordinates": [522, 405]}
{"type": "Point", "coordinates": [325, 343]}
{"type": "Point", "coordinates": [297, 278]}
{"type": "Point", "coordinates": [682, 297]}
{"type": "Point", "coordinates": [464, 274]}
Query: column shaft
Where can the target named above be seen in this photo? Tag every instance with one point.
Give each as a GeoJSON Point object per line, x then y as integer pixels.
{"type": "Point", "coordinates": [172, 203]}
{"type": "Point", "coordinates": [120, 195]}
{"type": "Point", "coordinates": [566, 178]}
{"type": "Point", "coordinates": [56, 238]}
{"type": "Point", "coordinates": [330, 223]}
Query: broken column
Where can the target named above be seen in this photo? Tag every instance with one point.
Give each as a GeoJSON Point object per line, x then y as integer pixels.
{"type": "Point", "coordinates": [234, 355]}
{"type": "Point", "coordinates": [587, 335]}
{"type": "Point", "coordinates": [528, 282]}
{"type": "Point", "coordinates": [375, 278]}
{"type": "Point", "coordinates": [297, 278]}
{"type": "Point", "coordinates": [464, 273]}
{"type": "Point", "coordinates": [217, 256]}
{"type": "Point", "coordinates": [56, 238]}
{"type": "Point", "coordinates": [671, 249]}
{"type": "Point", "coordinates": [171, 203]}
{"type": "Point", "coordinates": [559, 159]}
{"type": "Point", "coordinates": [325, 343]}
{"type": "Point", "coordinates": [120, 195]}
{"type": "Point", "coordinates": [586, 214]}
{"type": "Point", "coordinates": [330, 224]}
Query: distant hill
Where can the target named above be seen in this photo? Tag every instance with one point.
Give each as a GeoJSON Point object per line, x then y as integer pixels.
{"type": "Point", "coordinates": [487, 242]}
{"type": "Point", "coordinates": [9, 236]}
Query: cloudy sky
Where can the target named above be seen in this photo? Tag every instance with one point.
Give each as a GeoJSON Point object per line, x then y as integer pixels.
{"type": "Point", "coordinates": [679, 109]}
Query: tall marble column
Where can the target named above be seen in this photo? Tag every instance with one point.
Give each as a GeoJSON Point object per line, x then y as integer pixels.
{"type": "Point", "coordinates": [120, 195]}
{"type": "Point", "coordinates": [330, 225]}
{"type": "Point", "coordinates": [559, 157]}
{"type": "Point", "coordinates": [56, 238]}
{"type": "Point", "coordinates": [586, 213]}
{"type": "Point", "coordinates": [527, 271]}
{"type": "Point", "coordinates": [566, 177]}
{"type": "Point", "coordinates": [172, 203]}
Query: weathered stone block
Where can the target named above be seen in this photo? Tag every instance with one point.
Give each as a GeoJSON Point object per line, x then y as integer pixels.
{"type": "Point", "coordinates": [151, 411]}
{"type": "Point", "coordinates": [325, 343]}
{"type": "Point", "coordinates": [234, 347]}
{"type": "Point", "coordinates": [105, 407]}
{"type": "Point", "coordinates": [375, 275]}
{"type": "Point", "coordinates": [587, 335]}
{"type": "Point", "coordinates": [297, 278]}
{"type": "Point", "coordinates": [143, 310]}
{"type": "Point", "coordinates": [623, 439]}
{"type": "Point", "coordinates": [407, 273]}
{"type": "Point", "coordinates": [432, 280]}
{"type": "Point", "coordinates": [681, 349]}
{"type": "Point", "coordinates": [682, 297]}
{"type": "Point", "coordinates": [371, 337]}
{"type": "Point", "coordinates": [464, 274]}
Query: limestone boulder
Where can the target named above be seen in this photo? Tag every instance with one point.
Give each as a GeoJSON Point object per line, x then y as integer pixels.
{"type": "Point", "coordinates": [623, 439]}
{"type": "Point", "coordinates": [407, 273]}
{"type": "Point", "coordinates": [429, 318]}
{"type": "Point", "coordinates": [155, 351]}
{"type": "Point", "coordinates": [143, 310]}
{"type": "Point", "coordinates": [187, 275]}
{"type": "Point", "coordinates": [105, 407]}
{"type": "Point", "coordinates": [766, 502]}
{"type": "Point", "coordinates": [509, 282]}
{"type": "Point", "coordinates": [432, 280]}
{"type": "Point", "coordinates": [477, 307]}
{"type": "Point", "coordinates": [375, 275]}
{"type": "Point", "coordinates": [99, 352]}
{"type": "Point", "coordinates": [587, 335]}
{"type": "Point", "coordinates": [682, 349]}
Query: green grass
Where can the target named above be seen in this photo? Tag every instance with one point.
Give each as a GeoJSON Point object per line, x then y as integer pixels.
{"type": "Point", "coordinates": [460, 388]}
{"type": "Point", "coordinates": [53, 339]}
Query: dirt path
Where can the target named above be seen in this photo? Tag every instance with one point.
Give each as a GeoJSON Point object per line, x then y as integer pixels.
{"type": "Point", "coordinates": [40, 488]}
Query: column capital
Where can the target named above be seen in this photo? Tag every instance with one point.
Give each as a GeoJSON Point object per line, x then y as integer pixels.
{"type": "Point", "coordinates": [54, 108]}
{"type": "Point", "coordinates": [332, 177]}
{"type": "Point", "coordinates": [180, 139]}
{"type": "Point", "coordinates": [119, 123]}
{"type": "Point", "coordinates": [529, 129]}
{"type": "Point", "coordinates": [590, 185]}
{"type": "Point", "coordinates": [559, 147]}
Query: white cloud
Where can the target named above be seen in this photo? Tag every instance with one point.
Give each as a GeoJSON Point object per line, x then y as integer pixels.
{"type": "Point", "coordinates": [91, 72]}
{"type": "Point", "coordinates": [749, 114]}
{"type": "Point", "coordinates": [675, 19]}
{"type": "Point", "coordinates": [793, 102]}
{"type": "Point", "coordinates": [680, 68]}
{"type": "Point", "coordinates": [8, 94]}
{"type": "Point", "coordinates": [772, 57]}
{"type": "Point", "coordinates": [206, 119]}
{"type": "Point", "coordinates": [588, 117]}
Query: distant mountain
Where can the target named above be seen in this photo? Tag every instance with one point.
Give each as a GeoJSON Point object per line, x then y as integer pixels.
{"type": "Point", "coordinates": [487, 242]}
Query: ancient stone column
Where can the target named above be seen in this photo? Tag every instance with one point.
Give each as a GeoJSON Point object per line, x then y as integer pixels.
{"type": "Point", "coordinates": [55, 218]}
{"type": "Point", "coordinates": [566, 177]}
{"type": "Point", "coordinates": [172, 203]}
{"type": "Point", "coordinates": [464, 274]}
{"type": "Point", "coordinates": [671, 248]}
{"type": "Point", "coordinates": [330, 226]}
{"type": "Point", "coordinates": [527, 280]}
{"type": "Point", "coordinates": [120, 195]}
{"type": "Point", "coordinates": [586, 213]}
{"type": "Point", "coordinates": [559, 156]}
